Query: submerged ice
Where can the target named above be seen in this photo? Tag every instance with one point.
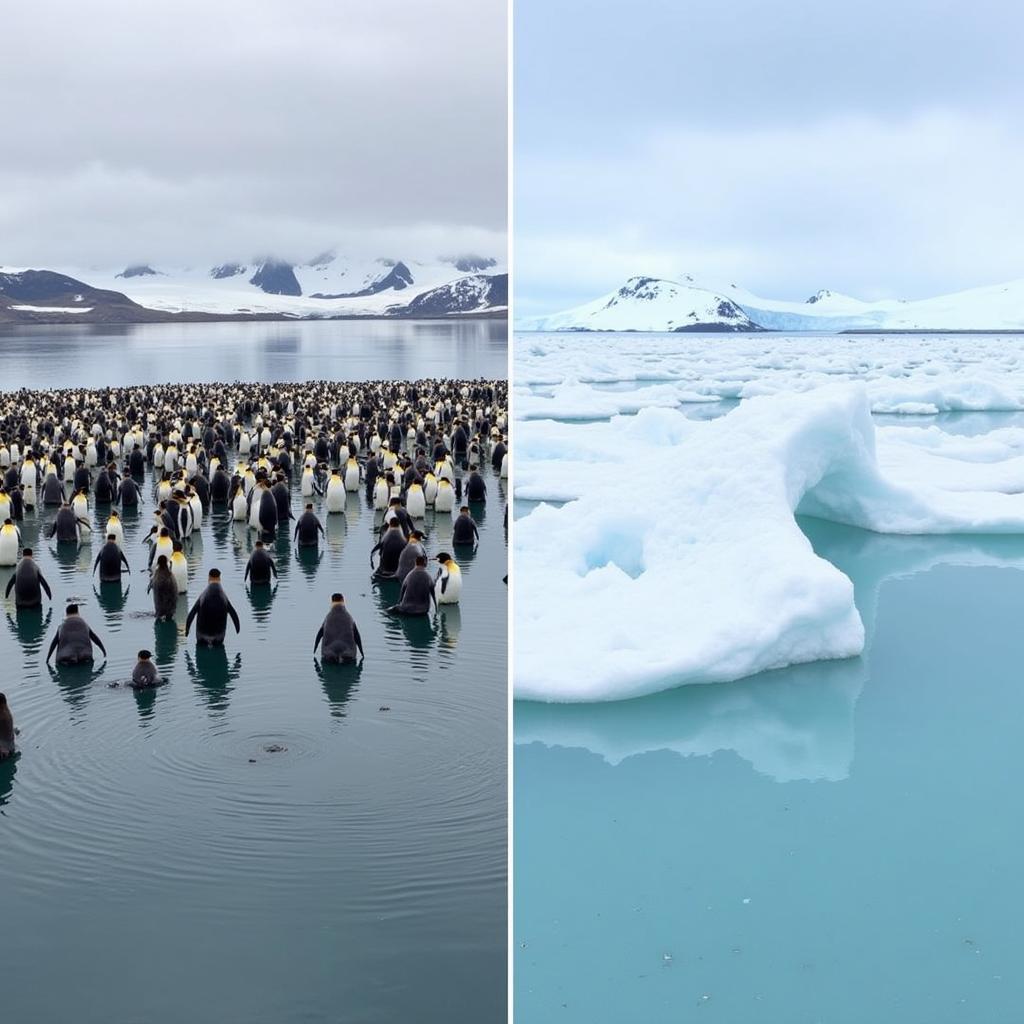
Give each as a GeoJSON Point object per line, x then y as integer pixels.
{"type": "Point", "coordinates": [678, 558]}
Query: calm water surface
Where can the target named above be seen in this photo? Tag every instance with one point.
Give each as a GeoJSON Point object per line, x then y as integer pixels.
{"type": "Point", "coordinates": [59, 356]}
{"type": "Point", "coordinates": [836, 842]}
{"type": "Point", "coordinates": [156, 862]}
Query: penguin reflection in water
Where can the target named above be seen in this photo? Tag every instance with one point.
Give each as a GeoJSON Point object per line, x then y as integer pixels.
{"type": "Point", "coordinates": [74, 640]}
{"type": "Point", "coordinates": [340, 634]}
{"type": "Point", "coordinates": [211, 612]}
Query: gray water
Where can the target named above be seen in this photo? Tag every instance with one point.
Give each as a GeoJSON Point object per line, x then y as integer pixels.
{"type": "Point", "coordinates": [835, 842]}
{"type": "Point", "coordinates": [157, 862]}
{"type": "Point", "coordinates": [87, 356]}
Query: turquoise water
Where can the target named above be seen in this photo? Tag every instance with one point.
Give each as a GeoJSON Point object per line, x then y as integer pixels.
{"type": "Point", "coordinates": [836, 842]}
{"type": "Point", "coordinates": [157, 861]}
{"type": "Point", "coordinates": [54, 356]}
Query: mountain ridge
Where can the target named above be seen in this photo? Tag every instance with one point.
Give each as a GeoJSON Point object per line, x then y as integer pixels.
{"type": "Point", "coordinates": [328, 287]}
{"type": "Point", "coordinates": [707, 306]}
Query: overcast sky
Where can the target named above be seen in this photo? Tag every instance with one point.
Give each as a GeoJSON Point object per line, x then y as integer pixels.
{"type": "Point", "coordinates": [874, 148]}
{"type": "Point", "coordinates": [199, 131]}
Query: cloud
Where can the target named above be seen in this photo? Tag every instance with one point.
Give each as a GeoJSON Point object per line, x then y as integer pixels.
{"type": "Point", "coordinates": [198, 131]}
{"type": "Point", "coordinates": [879, 207]}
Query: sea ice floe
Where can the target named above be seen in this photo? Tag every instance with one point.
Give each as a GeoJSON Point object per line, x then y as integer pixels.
{"type": "Point", "coordinates": [908, 374]}
{"type": "Point", "coordinates": [678, 558]}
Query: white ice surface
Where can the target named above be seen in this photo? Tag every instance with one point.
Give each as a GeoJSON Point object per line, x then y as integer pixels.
{"type": "Point", "coordinates": [678, 559]}
{"type": "Point", "coordinates": [904, 374]}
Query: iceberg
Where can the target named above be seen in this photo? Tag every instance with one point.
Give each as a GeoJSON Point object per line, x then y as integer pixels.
{"type": "Point", "coordinates": [678, 559]}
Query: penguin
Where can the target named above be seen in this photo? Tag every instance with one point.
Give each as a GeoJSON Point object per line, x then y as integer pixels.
{"type": "Point", "coordinates": [308, 528]}
{"type": "Point", "coordinates": [448, 582]}
{"type": "Point", "coordinates": [335, 500]}
{"type": "Point", "coordinates": [28, 481]}
{"type": "Point", "coordinates": [179, 567]}
{"type": "Point", "coordinates": [53, 490]}
{"type": "Point", "coordinates": [5, 504]}
{"type": "Point", "coordinates": [445, 500]}
{"type": "Point", "coordinates": [476, 487]}
{"type": "Point", "coordinates": [128, 493]}
{"type": "Point", "coordinates": [307, 482]}
{"type": "Point", "coordinates": [10, 543]}
{"type": "Point", "coordinates": [265, 507]}
{"type": "Point", "coordinates": [220, 486]}
{"type": "Point", "coordinates": [390, 547]}
{"type": "Point", "coordinates": [352, 475]}
{"type": "Point", "coordinates": [66, 527]}
{"type": "Point", "coordinates": [430, 487]}
{"type": "Point", "coordinates": [144, 675]}
{"type": "Point", "coordinates": [417, 592]}
{"type": "Point", "coordinates": [444, 470]}
{"type": "Point", "coordinates": [80, 506]}
{"type": "Point", "coordinates": [28, 583]}
{"type": "Point", "coordinates": [239, 508]}
{"type": "Point", "coordinates": [407, 559]}
{"type": "Point", "coordinates": [74, 640]}
{"type": "Point", "coordinates": [381, 493]}
{"type": "Point", "coordinates": [260, 567]}
{"type": "Point", "coordinates": [195, 505]}
{"type": "Point", "coordinates": [211, 612]}
{"type": "Point", "coordinates": [464, 529]}
{"type": "Point", "coordinates": [164, 588]}
{"type": "Point", "coordinates": [115, 529]}
{"type": "Point", "coordinates": [8, 733]}
{"type": "Point", "coordinates": [109, 561]}
{"type": "Point", "coordinates": [415, 501]}
{"type": "Point", "coordinates": [163, 545]}
{"type": "Point", "coordinates": [339, 633]}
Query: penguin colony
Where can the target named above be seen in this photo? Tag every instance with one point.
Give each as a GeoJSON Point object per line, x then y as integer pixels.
{"type": "Point", "coordinates": [406, 445]}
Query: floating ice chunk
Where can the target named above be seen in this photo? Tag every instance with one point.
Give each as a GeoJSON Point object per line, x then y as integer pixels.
{"type": "Point", "coordinates": [680, 561]}
{"type": "Point", "coordinates": [911, 375]}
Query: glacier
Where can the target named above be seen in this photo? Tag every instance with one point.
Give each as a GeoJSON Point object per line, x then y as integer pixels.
{"type": "Point", "coordinates": [677, 558]}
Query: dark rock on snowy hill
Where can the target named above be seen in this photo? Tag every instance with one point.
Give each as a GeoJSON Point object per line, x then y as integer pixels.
{"type": "Point", "coordinates": [276, 277]}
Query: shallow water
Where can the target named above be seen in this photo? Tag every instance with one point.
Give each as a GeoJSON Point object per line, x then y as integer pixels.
{"type": "Point", "coordinates": [833, 842]}
{"type": "Point", "coordinates": [57, 356]}
{"type": "Point", "coordinates": [153, 851]}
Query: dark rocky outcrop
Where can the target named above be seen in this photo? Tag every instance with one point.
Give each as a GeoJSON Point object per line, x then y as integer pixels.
{"type": "Point", "coordinates": [227, 270]}
{"type": "Point", "coordinates": [276, 277]}
{"type": "Point", "coordinates": [138, 270]}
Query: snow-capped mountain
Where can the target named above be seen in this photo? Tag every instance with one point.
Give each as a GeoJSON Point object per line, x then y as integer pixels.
{"type": "Point", "coordinates": [646, 304]}
{"type": "Point", "coordinates": [651, 304]}
{"type": "Point", "coordinates": [327, 286]}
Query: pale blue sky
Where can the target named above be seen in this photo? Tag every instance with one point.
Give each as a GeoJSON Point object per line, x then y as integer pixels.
{"type": "Point", "coordinates": [872, 148]}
